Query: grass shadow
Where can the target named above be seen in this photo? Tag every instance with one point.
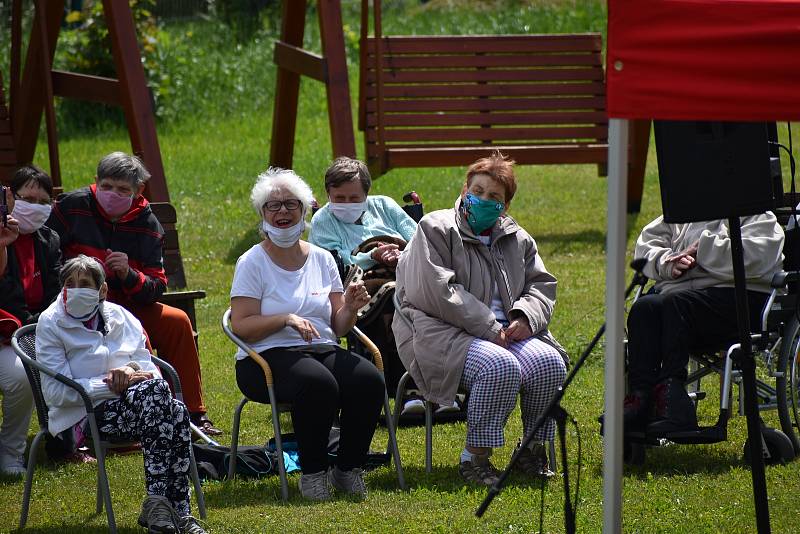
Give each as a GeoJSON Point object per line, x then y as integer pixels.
{"type": "Point", "coordinates": [443, 479]}
{"type": "Point", "coordinates": [681, 460]}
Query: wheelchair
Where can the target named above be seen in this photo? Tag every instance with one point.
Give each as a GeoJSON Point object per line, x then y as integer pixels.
{"type": "Point", "coordinates": [776, 349]}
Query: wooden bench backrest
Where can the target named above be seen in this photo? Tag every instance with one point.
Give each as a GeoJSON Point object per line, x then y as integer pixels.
{"type": "Point", "coordinates": [442, 94]}
{"type": "Point", "coordinates": [173, 265]}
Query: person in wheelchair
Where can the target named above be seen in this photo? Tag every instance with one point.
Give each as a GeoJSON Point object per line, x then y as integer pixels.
{"type": "Point", "coordinates": [369, 231]}
{"type": "Point", "coordinates": [479, 300]}
{"type": "Point", "coordinates": [691, 307]}
{"type": "Point", "coordinates": [288, 302]}
{"type": "Point", "coordinates": [102, 346]}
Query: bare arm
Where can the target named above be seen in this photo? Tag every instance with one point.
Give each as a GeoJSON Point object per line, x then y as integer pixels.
{"type": "Point", "coordinates": [248, 323]}
{"type": "Point", "coordinates": [345, 306]}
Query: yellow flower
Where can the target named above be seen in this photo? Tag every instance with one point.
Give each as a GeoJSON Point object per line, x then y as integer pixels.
{"type": "Point", "coordinates": [74, 16]}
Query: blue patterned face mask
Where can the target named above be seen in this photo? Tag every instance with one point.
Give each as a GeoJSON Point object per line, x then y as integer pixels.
{"type": "Point", "coordinates": [481, 214]}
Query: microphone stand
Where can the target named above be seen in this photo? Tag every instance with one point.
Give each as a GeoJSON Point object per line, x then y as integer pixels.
{"type": "Point", "coordinates": [555, 411]}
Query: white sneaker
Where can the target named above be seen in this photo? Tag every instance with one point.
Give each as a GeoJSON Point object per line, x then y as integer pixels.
{"type": "Point", "coordinates": [12, 465]}
{"type": "Point", "coordinates": [413, 406]}
{"type": "Point", "coordinates": [446, 409]}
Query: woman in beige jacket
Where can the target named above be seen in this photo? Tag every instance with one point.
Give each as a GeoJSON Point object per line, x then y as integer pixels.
{"type": "Point", "coordinates": [476, 300]}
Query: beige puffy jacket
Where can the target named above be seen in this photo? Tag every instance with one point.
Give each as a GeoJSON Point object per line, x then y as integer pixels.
{"type": "Point", "coordinates": [445, 283]}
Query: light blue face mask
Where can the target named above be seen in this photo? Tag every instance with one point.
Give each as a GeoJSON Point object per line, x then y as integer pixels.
{"type": "Point", "coordinates": [481, 214]}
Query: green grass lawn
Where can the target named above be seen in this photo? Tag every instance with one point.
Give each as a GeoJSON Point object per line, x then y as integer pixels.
{"type": "Point", "coordinates": [211, 160]}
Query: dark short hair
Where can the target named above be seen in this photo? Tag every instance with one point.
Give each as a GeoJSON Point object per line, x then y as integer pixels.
{"type": "Point", "coordinates": [499, 168]}
{"type": "Point", "coordinates": [31, 173]}
{"type": "Point", "coordinates": [344, 169]}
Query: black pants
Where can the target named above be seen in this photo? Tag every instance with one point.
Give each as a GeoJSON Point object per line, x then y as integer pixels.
{"type": "Point", "coordinates": [664, 329]}
{"type": "Point", "coordinates": [320, 382]}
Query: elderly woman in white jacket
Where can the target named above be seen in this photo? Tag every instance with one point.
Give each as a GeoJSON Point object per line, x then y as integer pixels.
{"type": "Point", "coordinates": [101, 346]}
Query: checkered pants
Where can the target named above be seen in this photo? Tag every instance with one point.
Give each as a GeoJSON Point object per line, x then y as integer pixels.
{"type": "Point", "coordinates": [494, 375]}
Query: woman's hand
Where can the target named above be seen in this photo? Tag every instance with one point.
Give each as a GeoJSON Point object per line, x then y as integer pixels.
{"type": "Point", "coordinates": [140, 376]}
{"type": "Point", "coordinates": [119, 379]}
{"type": "Point", "coordinates": [518, 330]}
{"type": "Point", "coordinates": [386, 254]}
{"type": "Point", "coordinates": [303, 327]}
{"type": "Point", "coordinates": [355, 297]}
{"type": "Point", "coordinates": [10, 233]}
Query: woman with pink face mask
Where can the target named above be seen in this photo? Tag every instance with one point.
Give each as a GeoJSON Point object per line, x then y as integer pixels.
{"type": "Point", "coordinates": [29, 283]}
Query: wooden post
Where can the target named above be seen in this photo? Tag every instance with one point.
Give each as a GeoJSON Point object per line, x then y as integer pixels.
{"type": "Point", "coordinates": [49, 104]}
{"type": "Point", "coordinates": [294, 62]}
{"type": "Point", "coordinates": [340, 115]}
{"type": "Point", "coordinates": [639, 138]}
{"type": "Point", "coordinates": [135, 95]}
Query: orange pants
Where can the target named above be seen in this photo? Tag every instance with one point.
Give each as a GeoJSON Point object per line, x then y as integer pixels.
{"type": "Point", "coordinates": [170, 333]}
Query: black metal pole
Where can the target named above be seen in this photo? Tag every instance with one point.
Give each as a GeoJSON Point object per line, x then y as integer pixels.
{"type": "Point", "coordinates": [551, 410]}
{"type": "Point", "coordinates": [748, 368]}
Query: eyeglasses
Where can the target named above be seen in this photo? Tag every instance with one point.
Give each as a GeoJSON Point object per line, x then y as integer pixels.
{"type": "Point", "coordinates": [32, 200]}
{"type": "Point", "coordinates": [275, 205]}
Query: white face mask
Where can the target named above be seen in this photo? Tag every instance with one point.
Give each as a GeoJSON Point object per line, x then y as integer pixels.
{"type": "Point", "coordinates": [81, 303]}
{"type": "Point", "coordinates": [347, 212]}
{"type": "Point", "coordinates": [30, 216]}
{"type": "Point", "coordinates": [284, 237]}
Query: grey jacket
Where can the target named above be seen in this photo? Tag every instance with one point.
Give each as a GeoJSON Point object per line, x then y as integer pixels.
{"type": "Point", "coordinates": [762, 241]}
{"type": "Point", "coordinates": [445, 283]}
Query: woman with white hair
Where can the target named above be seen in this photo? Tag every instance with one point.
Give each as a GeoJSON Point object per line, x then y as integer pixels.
{"type": "Point", "coordinates": [288, 302]}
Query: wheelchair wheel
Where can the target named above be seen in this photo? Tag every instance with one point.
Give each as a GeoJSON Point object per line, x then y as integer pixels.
{"type": "Point", "coordinates": [778, 444]}
{"type": "Point", "coordinates": [788, 385]}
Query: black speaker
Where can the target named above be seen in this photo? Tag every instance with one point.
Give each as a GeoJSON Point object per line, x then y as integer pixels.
{"type": "Point", "coordinates": [715, 170]}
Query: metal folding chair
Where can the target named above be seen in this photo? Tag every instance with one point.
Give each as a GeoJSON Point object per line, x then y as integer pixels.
{"type": "Point", "coordinates": [277, 409]}
{"type": "Point", "coordinates": [24, 343]}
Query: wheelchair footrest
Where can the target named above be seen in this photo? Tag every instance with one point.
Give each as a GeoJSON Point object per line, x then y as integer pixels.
{"type": "Point", "coordinates": [706, 434]}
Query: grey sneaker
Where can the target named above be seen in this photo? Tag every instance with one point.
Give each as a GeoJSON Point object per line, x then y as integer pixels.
{"type": "Point", "coordinates": [350, 482]}
{"type": "Point", "coordinates": [315, 486]}
{"type": "Point", "coordinates": [533, 462]}
{"type": "Point", "coordinates": [190, 525]}
{"type": "Point", "coordinates": [479, 471]}
{"type": "Point", "coordinates": [158, 515]}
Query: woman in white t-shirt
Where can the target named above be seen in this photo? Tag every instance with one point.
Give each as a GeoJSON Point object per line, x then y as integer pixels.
{"type": "Point", "coordinates": [288, 302]}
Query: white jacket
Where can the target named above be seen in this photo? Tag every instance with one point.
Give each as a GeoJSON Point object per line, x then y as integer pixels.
{"type": "Point", "coordinates": [762, 241]}
{"type": "Point", "coordinates": [66, 346]}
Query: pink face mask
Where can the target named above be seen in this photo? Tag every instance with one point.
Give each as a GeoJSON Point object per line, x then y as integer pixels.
{"type": "Point", "coordinates": [113, 203]}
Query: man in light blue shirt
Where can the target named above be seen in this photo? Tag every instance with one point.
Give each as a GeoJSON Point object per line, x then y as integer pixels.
{"type": "Point", "coordinates": [351, 217]}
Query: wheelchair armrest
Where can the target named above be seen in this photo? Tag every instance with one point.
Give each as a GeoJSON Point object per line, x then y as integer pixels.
{"type": "Point", "coordinates": [781, 278]}
{"type": "Point", "coordinates": [171, 375]}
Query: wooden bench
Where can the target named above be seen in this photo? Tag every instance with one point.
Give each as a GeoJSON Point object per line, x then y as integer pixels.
{"type": "Point", "coordinates": [173, 265]}
{"type": "Point", "coordinates": [448, 100]}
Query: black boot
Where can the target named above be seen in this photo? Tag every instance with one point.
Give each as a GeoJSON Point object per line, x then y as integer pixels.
{"type": "Point", "coordinates": [636, 411]}
{"type": "Point", "coordinates": [675, 411]}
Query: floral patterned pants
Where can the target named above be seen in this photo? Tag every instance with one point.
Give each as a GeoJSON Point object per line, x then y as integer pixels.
{"type": "Point", "coordinates": [147, 413]}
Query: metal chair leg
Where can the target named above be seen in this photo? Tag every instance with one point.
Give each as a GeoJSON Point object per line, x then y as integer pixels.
{"type": "Point", "coordinates": [552, 454]}
{"type": "Point", "coordinates": [237, 415]}
{"type": "Point", "coordinates": [102, 483]}
{"type": "Point", "coordinates": [393, 441]}
{"type": "Point", "coordinates": [428, 437]}
{"type": "Point", "coordinates": [276, 425]}
{"type": "Point", "coordinates": [198, 488]}
{"type": "Point", "coordinates": [398, 397]}
{"type": "Point", "coordinates": [26, 495]}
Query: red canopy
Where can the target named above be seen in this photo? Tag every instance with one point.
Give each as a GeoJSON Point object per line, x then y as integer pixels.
{"type": "Point", "coordinates": [704, 59]}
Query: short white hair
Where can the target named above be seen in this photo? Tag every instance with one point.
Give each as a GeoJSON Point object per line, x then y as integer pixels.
{"type": "Point", "coordinates": [274, 179]}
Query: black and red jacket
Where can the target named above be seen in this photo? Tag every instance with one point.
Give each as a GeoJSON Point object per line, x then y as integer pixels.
{"type": "Point", "coordinates": [47, 256]}
{"type": "Point", "coordinates": [85, 228]}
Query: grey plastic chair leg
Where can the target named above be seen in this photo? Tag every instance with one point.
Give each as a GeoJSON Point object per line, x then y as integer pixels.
{"type": "Point", "coordinates": [104, 488]}
{"type": "Point", "coordinates": [26, 495]}
{"type": "Point", "coordinates": [276, 426]}
{"type": "Point", "coordinates": [237, 416]}
{"type": "Point", "coordinates": [428, 437]}
{"type": "Point", "coordinates": [398, 465]}
{"type": "Point", "coordinates": [198, 488]}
